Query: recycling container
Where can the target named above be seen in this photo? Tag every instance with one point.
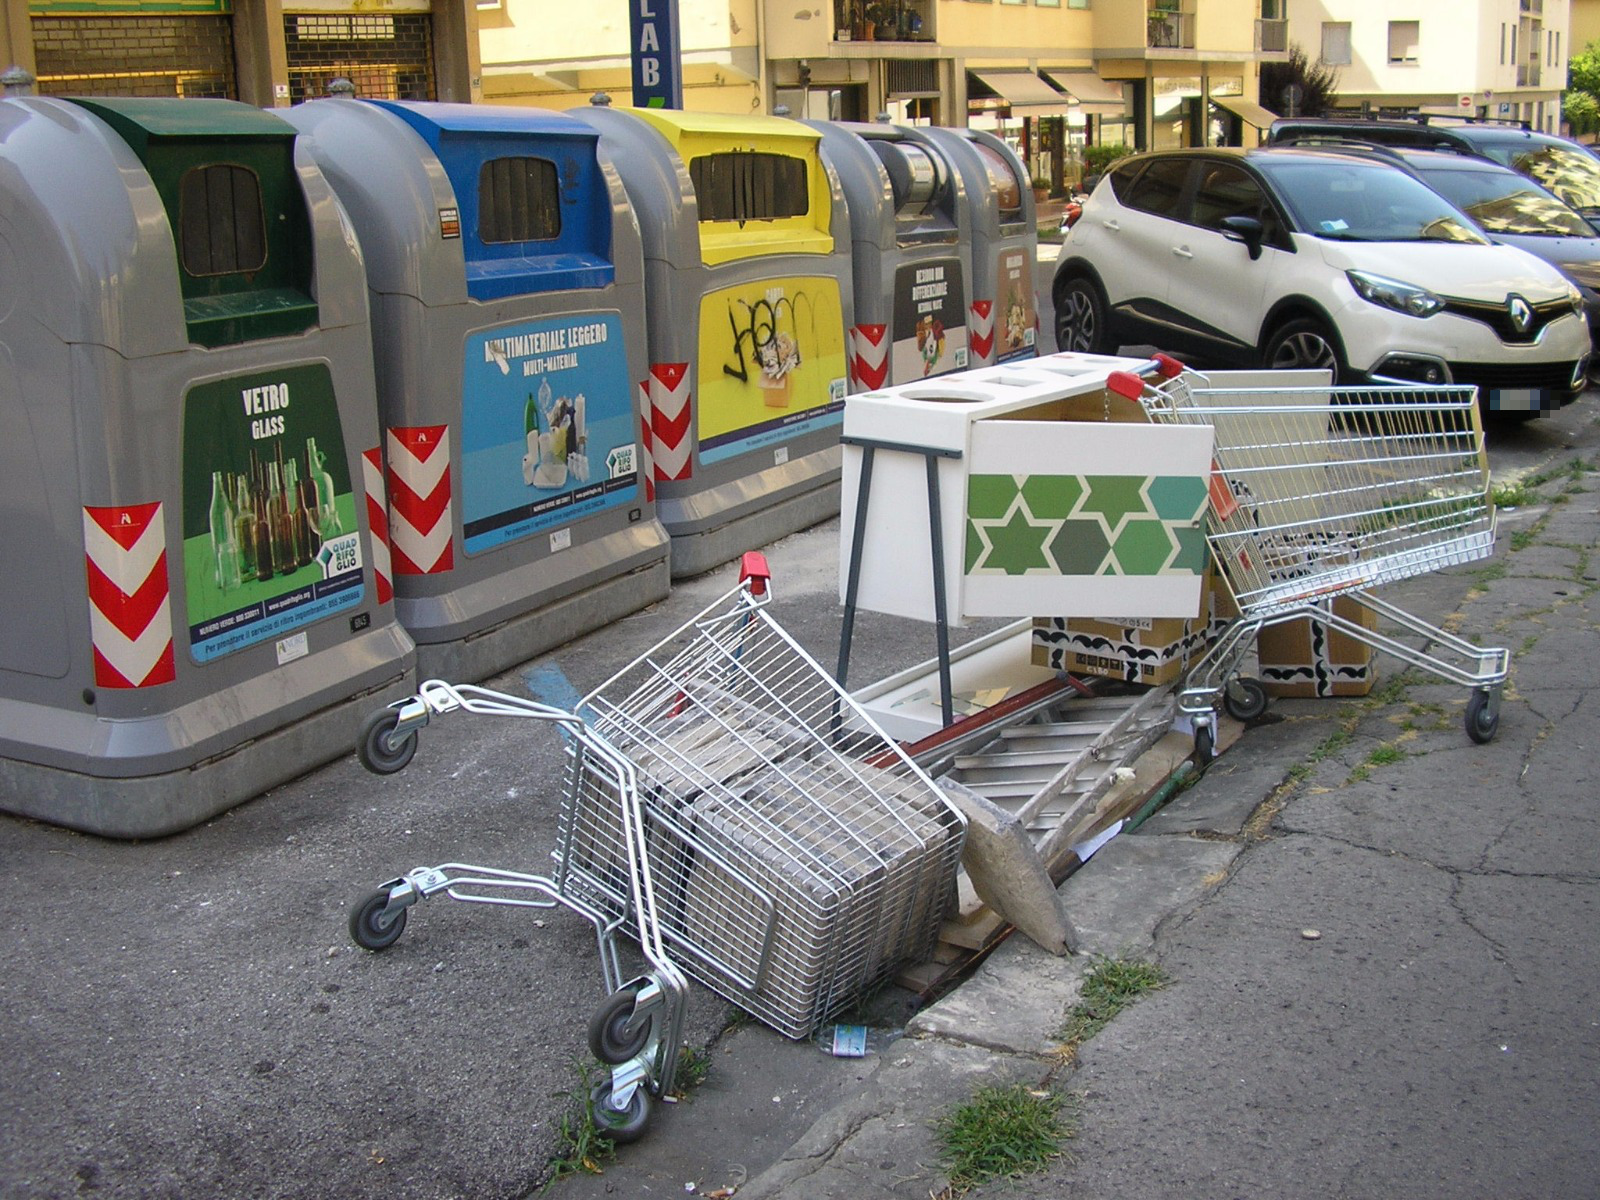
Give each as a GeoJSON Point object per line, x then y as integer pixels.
{"type": "Point", "coordinates": [748, 297]}
{"type": "Point", "coordinates": [910, 230]}
{"type": "Point", "coordinates": [1002, 303]}
{"type": "Point", "coordinates": [199, 607]}
{"type": "Point", "coordinates": [507, 288]}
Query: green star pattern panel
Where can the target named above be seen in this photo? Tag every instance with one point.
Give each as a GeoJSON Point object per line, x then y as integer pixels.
{"type": "Point", "coordinates": [1085, 525]}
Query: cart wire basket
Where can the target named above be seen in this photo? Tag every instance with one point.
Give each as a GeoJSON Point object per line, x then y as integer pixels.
{"type": "Point", "coordinates": [728, 807]}
{"type": "Point", "coordinates": [1319, 492]}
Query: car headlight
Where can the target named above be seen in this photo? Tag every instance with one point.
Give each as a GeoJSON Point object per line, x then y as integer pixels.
{"type": "Point", "coordinates": [1574, 296]}
{"type": "Point", "coordinates": [1407, 298]}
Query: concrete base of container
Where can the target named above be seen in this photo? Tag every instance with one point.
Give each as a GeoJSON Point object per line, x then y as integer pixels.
{"type": "Point", "coordinates": [497, 649]}
{"type": "Point", "coordinates": [716, 526]}
{"type": "Point", "coordinates": [149, 806]}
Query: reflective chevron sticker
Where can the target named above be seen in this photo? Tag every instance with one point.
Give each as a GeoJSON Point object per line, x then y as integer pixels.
{"type": "Point", "coordinates": [869, 356]}
{"type": "Point", "coordinates": [670, 417]}
{"type": "Point", "coordinates": [980, 332]}
{"type": "Point", "coordinates": [377, 520]}
{"type": "Point", "coordinates": [130, 611]}
{"type": "Point", "coordinates": [647, 469]}
{"type": "Point", "coordinates": [421, 523]}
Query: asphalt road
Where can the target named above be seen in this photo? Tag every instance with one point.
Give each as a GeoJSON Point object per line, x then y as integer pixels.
{"type": "Point", "coordinates": [187, 1017]}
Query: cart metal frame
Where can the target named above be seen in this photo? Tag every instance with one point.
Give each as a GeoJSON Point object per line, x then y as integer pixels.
{"type": "Point", "coordinates": [1319, 492]}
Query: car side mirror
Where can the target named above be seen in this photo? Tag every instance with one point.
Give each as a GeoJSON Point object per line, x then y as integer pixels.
{"type": "Point", "coordinates": [1248, 230]}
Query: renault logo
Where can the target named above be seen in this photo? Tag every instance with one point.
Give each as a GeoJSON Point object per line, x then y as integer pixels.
{"type": "Point", "coordinates": [1521, 313]}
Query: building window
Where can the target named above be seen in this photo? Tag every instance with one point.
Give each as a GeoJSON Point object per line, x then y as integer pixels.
{"type": "Point", "coordinates": [749, 186]}
{"type": "Point", "coordinates": [1403, 41]}
{"type": "Point", "coordinates": [1502, 43]}
{"type": "Point", "coordinates": [519, 200]}
{"type": "Point", "coordinates": [220, 227]}
{"type": "Point", "coordinates": [1336, 43]}
{"type": "Point", "coordinates": [1077, 3]}
{"type": "Point", "coordinates": [1048, 3]}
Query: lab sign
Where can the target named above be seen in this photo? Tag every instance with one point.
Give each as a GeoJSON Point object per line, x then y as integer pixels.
{"type": "Point", "coordinates": [657, 74]}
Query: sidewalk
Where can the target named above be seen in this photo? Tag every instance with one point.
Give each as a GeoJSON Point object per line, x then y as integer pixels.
{"type": "Point", "coordinates": [1436, 1038]}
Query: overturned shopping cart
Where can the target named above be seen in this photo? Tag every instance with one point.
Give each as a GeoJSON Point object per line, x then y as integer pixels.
{"type": "Point", "coordinates": [729, 808]}
{"type": "Point", "coordinates": [1320, 492]}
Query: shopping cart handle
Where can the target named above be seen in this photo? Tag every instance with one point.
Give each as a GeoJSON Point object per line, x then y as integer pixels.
{"type": "Point", "coordinates": [1125, 384]}
{"type": "Point", "coordinates": [753, 569]}
{"type": "Point", "coordinates": [1167, 366]}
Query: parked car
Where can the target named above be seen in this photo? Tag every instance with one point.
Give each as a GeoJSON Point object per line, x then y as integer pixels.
{"type": "Point", "coordinates": [1510, 209]}
{"type": "Point", "coordinates": [1289, 257]}
{"type": "Point", "coordinates": [1563, 166]}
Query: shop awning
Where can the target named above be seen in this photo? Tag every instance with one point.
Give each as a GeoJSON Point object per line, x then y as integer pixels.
{"type": "Point", "coordinates": [1095, 96]}
{"type": "Point", "coordinates": [1025, 92]}
{"type": "Point", "coordinates": [1252, 112]}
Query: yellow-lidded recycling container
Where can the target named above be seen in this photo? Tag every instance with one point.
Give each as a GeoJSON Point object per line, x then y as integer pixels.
{"type": "Point", "coordinates": [748, 297]}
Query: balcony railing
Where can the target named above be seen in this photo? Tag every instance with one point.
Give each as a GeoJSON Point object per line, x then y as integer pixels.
{"type": "Point", "coordinates": [1272, 37]}
{"type": "Point", "coordinates": [1169, 30]}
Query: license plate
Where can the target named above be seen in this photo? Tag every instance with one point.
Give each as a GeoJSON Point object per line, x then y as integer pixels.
{"type": "Point", "coordinates": [1519, 400]}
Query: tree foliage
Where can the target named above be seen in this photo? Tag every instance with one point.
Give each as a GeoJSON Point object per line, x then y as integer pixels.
{"type": "Point", "coordinates": [1581, 103]}
{"type": "Point", "coordinates": [1318, 82]}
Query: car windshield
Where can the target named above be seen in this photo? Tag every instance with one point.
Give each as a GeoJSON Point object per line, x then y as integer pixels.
{"type": "Point", "coordinates": [1505, 203]}
{"type": "Point", "coordinates": [1564, 170]}
{"type": "Point", "coordinates": [1365, 202]}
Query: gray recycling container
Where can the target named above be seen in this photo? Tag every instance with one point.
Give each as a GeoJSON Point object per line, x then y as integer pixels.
{"type": "Point", "coordinates": [910, 230]}
{"type": "Point", "coordinates": [1002, 299]}
{"type": "Point", "coordinates": [748, 297]}
{"type": "Point", "coordinates": [188, 422]}
{"type": "Point", "coordinates": [507, 289]}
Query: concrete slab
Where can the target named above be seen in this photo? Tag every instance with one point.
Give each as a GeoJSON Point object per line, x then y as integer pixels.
{"type": "Point", "coordinates": [1118, 898]}
{"type": "Point", "coordinates": [1233, 786]}
{"type": "Point", "coordinates": [1016, 1002]}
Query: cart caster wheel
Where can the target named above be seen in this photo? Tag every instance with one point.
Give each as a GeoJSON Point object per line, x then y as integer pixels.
{"type": "Point", "coordinates": [1245, 698]}
{"type": "Point", "coordinates": [607, 1041]}
{"type": "Point", "coordinates": [1204, 745]}
{"type": "Point", "coordinates": [621, 1127]}
{"type": "Point", "coordinates": [365, 928]}
{"type": "Point", "coordinates": [379, 750]}
{"type": "Point", "coordinates": [1483, 719]}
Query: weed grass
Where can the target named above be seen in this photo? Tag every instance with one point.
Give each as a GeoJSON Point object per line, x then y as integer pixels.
{"type": "Point", "coordinates": [582, 1147]}
{"type": "Point", "coordinates": [1110, 986]}
{"type": "Point", "coordinates": [1002, 1132]}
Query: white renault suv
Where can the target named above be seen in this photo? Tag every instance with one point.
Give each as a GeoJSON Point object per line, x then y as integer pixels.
{"type": "Point", "coordinates": [1289, 257]}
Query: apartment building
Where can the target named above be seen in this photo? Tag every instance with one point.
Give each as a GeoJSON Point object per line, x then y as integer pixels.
{"type": "Point", "coordinates": [1048, 75]}
{"type": "Point", "coordinates": [270, 53]}
{"type": "Point", "coordinates": [1484, 58]}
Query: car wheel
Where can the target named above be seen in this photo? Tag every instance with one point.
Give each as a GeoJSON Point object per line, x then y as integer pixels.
{"type": "Point", "coordinates": [1301, 344]}
{"type": "Point", "coordinates": [1080, 318]}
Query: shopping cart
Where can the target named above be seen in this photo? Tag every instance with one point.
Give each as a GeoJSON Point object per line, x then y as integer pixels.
{"type": "Point", "coordinates": [1319, 492]}
{"type": "Point", "coordinates": [729, 808]}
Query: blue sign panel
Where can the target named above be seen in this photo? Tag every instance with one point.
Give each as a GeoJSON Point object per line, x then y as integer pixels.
{"type": "Point", "coordinates": [548, 427]}
{"type": "Point", "coordinates": [657, 61]}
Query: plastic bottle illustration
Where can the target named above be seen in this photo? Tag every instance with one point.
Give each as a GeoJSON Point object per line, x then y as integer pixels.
{"type": "Point", "coordinates": [224, 537]}
{"type": "Point", "coordinates": [545, 464]}
{"type": "Point", "coordinates": [578, 444]}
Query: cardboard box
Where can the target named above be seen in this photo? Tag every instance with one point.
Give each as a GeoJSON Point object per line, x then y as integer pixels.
{"type": "Point", "coordinates": [1150, 650]}
{"type": "Point", "coordinates": [1304, 658]}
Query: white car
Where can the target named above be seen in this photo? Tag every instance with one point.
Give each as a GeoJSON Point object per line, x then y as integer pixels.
{"type": "Point", "coordinates": [1287, 257]}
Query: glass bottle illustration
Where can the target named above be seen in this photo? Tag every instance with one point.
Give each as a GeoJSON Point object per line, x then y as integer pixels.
{"type": "Point", "coordinates": [263, 538]}
{"type": "Point", "coordinates": [224, 537]}
{"type": "Point", "coordinates": [244, 521]}
{"type": "Point", "coordinates": [299, 533]}
{"type": "Point", "coordinates": [278, 514]}
{"type": "Point", "coordinates": [326, 506]}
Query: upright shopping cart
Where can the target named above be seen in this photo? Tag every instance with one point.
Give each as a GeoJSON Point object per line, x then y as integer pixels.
{"type": "Point", "coordinates": [729, 808]}
{"type": "Point", "coordinates": [1320, 492]}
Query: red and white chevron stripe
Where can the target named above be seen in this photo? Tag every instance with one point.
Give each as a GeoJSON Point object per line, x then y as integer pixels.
{"type": "Point", "coordinates": [421, 526]}
{"type": "Point", "coordinates": [130, 607]}
{"type": "Point", "coordinates": [647, 462]}
{"type": "Point", "coordinates": [670, 418]}
{"type": "Point", "coordinates": [980, 333]}
{"type": "Point", "coordinates": [869, 356]}
{"type": "Point", "coordinates": [377, 520]}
